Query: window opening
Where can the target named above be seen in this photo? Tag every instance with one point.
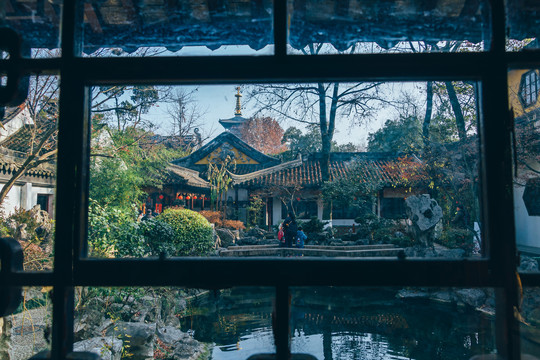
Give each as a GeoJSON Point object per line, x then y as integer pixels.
{"type": "Point", "coordinates": [530, 85]}
{"type": "Point", "coordinates": [28, 153]}
{"type": "Point", "coordinates": [405, 183]}
{"type": "Point", "coordinates": [526, 157]}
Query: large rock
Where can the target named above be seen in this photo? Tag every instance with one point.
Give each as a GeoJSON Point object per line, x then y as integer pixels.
{"type": "Point", "coordinates": [420, 251]}
{"type": "Point", "coordinates": [257, 232]}
{"type": "Point", "coordinates": [139, 338]}
{"type": "Point", "coordinates": [106, 347]}
{"type": "Point", "coordinates": [248, 240]}
{"type": "Point", "coordinates": [424, 214]}
{"type": "Point", "coordinates": [89, 324]}
{"type": "Point", "coordinates": [226, 236]}
{"type": "Point", "coordinates": [471, 297]}
{"type": "Point", "coordinates": [169, 335]}
{"type": "Point", "coordinates": [528, 264]}
{"type": "Point", "coordinates": [187, 348]}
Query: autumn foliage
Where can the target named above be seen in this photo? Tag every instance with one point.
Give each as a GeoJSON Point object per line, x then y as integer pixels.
{"type": "Point", "coordinates": [216, 218]}
{"type": "Point", "coordinates": [264, 134]}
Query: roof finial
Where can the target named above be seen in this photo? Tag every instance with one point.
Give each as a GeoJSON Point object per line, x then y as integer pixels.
{"type": "Point", "coordinates": [238, 110]}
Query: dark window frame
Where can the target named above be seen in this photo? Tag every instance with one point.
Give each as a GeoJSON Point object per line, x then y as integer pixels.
{"type": "Point", "coordinates": [529, 88]}
{"type": "Point", "coordinates": [300, 206]}
{"type": "Point", "coordinates": [71, 268]}
{"type": "Point", "coordinates": [393, 208]}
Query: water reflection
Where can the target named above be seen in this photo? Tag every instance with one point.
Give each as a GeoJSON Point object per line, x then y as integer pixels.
{"type": "Point", "coordinates": [340, 323]}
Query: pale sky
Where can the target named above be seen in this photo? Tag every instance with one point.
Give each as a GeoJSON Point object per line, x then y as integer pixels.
{"type": "Point", "coordinates": [219, 101]}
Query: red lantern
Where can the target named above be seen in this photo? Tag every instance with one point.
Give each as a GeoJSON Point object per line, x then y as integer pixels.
{"type": "Point", "coordinates": [187, 197]}
{"type": "Point", "coordinates": [195, 197]}
{"type": "Point", "coordinates": [161, 197]}
{"type": "Point", "coordinates": [180, 197]}
{"type": "Point", "coordinates": [297, 199]}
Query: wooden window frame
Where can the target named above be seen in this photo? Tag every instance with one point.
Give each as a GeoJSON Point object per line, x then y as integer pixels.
{"type": "Point", "coordinates": [72, 268]}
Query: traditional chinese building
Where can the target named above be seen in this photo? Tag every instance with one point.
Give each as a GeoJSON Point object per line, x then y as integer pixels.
{"type": "Point", "coordinates": [37, 184]}
{"type": "Point", "coordinates": [295, 183]}
{"type": "Point", "coordinates": [524, 92]}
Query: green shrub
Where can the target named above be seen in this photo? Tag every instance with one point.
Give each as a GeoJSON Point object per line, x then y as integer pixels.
{"type": "Point", "coordinates": [104, 223]}
{"type": "Point", "coordinates": [314, 225]}
{"type": "Point", "coordinates": [130, 240]}
{"type": "Point", "coordinates": [457, 238]}
{"type": "Point", "coordinates": [192, 232]}
{"type": "Point", "coordinates": [158, 236]}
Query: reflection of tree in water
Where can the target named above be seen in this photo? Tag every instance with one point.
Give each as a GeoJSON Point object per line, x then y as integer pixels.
{"type": "Point", "coordinates": [353, 323]}
{"type": "Point", "coordinates": [225, 317]}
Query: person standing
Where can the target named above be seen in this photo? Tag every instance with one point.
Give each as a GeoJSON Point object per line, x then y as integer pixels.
{"type": "Point", "coordinates": [300, 238]}
{"type": "Point", "coordinates": [290, 228]}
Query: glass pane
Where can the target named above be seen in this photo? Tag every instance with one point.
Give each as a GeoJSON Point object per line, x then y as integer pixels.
{"type": "Point", "coordinates": [523, 18]}
{"type": "Point", "coordinates": [28, 145]}
{"type": "Point", "coordinates": [524, 88]}
{"type": "Point", "coordinates": [371, 26]}
{"type": "Point", "coordinates": [27, 331]}
{"type": "Point", "coordinates": [530, 322]}
{"type": "Point", "coordinates": [386, 323]}
{"type": "Point", "coordinates": [380, 186]}
{"type": "Point", "coordinates": [177, 28]}
{"type": "Point", "coordinates": [37, 22]}
{"type": "Point", "coordinates": [174, 323]}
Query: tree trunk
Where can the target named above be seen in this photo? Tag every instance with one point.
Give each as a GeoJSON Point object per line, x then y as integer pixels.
{"type": "Point", "coordinates": [456, 107]}
{"type": "Point", "coordinates": [326, 139]}
{"type": "Point", "coordinates": [327, 126]}
{"type": "Point", "coordinates": [427, 118]}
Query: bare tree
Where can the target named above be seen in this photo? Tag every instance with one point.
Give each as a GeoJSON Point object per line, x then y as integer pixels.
{"type": "Point", "coordinates": [39, 143]}
{"type": "Point", "coordinates": [186, 115]}
{"type": "Point", "coordinates": [321, 104]}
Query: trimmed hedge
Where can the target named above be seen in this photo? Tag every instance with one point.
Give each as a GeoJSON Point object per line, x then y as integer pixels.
{"type": "Point", "coordinates": [193, 234]}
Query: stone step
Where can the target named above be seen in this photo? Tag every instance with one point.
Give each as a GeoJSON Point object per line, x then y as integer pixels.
{"type": "Point", "coordinates": [284, 252]}
{"type": "Point", "coordinates": [323, 247]}
{"type": "Point", "coordinates": [352, 247]}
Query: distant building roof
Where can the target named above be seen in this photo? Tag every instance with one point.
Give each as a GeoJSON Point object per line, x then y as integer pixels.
{"type": "Point", "coordinates": [10, 161]}
{"type": "Point", "coordinates": [232, 140]}
{"type": "Point", "coordinates": [387, 168]}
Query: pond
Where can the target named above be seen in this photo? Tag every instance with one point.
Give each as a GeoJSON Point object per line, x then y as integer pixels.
{"type": "Point", "coordinates": [340, 323]}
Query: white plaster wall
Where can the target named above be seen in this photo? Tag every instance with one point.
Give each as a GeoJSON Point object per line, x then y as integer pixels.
{"type": "Point", "coordinates": [12, 201]}
{"type": "Point", "coordinates": [527, 227]}
{"type": "Point", "coordinates": [25, 197]}
{"type": "Point", "coordinates": [342, 222]}
{"type": "Point", "coordinates": [276, 211]}
{"type": "Point", "coordinates": [243, 195]}
{"type": "Point", "coordinates": [320, 209]}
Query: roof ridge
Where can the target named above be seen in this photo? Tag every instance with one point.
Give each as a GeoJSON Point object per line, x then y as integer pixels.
{"type": "Point", "coordinates": [238, 179]}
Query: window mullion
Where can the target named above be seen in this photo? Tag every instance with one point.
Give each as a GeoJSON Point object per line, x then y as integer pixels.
{"type": "Point", "coordinates": [280, 28]}
{"type": "Point", "coordinates": [281, 325]}
{"type": "Point", "coordinates": [69, 170]}
{"type": "Point", "coordinates": [497, 186]}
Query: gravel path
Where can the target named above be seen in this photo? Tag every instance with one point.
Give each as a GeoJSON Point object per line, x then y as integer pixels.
{"type": "Point", "coordinates": [27, 333]}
